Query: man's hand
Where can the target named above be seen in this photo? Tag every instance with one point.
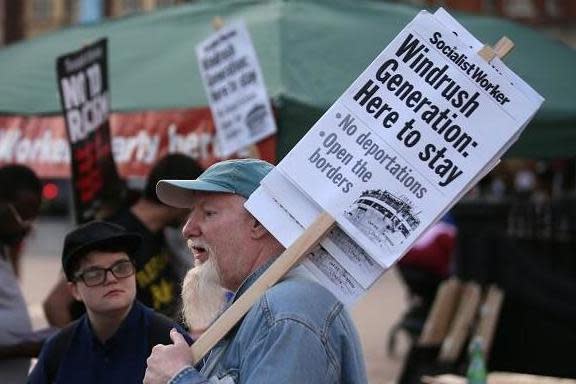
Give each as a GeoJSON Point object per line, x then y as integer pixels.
{"type": "Point", "coordinates": [166, 361]}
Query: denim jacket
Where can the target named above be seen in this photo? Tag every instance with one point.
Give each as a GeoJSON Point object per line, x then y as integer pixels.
{"type": "Point", "coordinates": [298, 332]}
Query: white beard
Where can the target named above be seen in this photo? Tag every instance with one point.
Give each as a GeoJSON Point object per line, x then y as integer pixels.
{"type": "Point", "coordinates": [203, 298]}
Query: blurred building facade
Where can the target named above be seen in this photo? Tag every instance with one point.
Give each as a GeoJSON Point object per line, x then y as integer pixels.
{"type": "Point", "coordinates": [556, 17]}
{"type": "Point", "coordinates": [531, 11]}
{"type": "Point", "coordinates": [23, 19]}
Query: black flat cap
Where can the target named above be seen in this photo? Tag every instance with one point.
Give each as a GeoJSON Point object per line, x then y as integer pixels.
{"type": "Point", "coordinates": [96, 235]}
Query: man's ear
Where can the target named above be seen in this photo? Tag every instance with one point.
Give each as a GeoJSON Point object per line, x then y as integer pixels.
{"type": "Point", "coordinates": [257, 230]}
{"type": "Point", "coordinates": [73, 288]}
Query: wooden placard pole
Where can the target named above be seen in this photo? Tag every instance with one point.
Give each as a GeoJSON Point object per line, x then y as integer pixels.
{"type": "Point", "coordinates": [501, 49]}
{"type": "Point", "coordinates": [290, 257]}
{"type": "Point", "coordinates": [462, 323]}
{"type": "Point", "coordinates": [441, 314]}
{"type": "Point", "coordinates": [217, 23]}
{"type": "Point", "coordinates": [489, 315]}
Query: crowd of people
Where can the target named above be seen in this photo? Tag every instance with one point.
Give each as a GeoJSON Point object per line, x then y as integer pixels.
{"type": "Point", "coordinates": [129, 305]}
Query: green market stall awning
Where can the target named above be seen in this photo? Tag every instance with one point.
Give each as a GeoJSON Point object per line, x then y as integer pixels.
{"type": "Point", "coordinates": [310, 51]}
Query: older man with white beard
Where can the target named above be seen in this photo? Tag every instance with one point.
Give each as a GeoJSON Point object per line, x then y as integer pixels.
{"type": "Point", "coordinates": [297, 332]}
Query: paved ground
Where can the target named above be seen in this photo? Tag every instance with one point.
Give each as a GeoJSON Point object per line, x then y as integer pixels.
{"type": "Point", "coordinates": [374, 314]}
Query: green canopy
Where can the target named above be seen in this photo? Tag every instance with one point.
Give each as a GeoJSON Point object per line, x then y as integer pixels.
{"type": "Point", "coordinates": [310, 51]}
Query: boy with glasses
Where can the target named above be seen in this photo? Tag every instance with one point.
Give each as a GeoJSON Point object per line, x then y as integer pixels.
{"type": "Point", "coordinates": [158, 266]}
{"type": "Point", "coordinates": [113, 339]}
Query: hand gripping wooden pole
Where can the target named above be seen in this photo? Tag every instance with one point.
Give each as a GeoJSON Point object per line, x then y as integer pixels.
{"type": "Point", "coordinates": [290, 257]}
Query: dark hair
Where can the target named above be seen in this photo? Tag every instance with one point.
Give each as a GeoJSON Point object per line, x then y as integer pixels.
{"type": "Point", "coordinates": [172, 166]}
{"type": "Point", "coordinates": [21, 190]}
{"type": "Point", "coordinates": [18, 178]}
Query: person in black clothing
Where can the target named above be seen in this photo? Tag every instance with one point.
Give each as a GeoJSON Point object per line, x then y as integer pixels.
{"type": "Point", "coordinates": [158, 285]}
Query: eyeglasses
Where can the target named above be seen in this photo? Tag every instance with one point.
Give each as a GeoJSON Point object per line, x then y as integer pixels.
{"type": "Point", "coordinates": [97, 276]}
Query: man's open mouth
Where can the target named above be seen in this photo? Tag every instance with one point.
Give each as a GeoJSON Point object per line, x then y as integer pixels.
{"type": "Point", "coordinates": [199, 252]}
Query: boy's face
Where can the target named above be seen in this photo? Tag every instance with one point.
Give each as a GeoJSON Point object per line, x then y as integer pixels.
{"type": "Point", "coordinates": [115, 293]}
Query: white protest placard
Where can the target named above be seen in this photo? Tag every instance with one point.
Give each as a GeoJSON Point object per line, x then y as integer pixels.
{"type": "Point", "coordinates": [413, 132]}
{"type": "Point", "coordinates": [235, 89]}
{"type": "Point", "coordinates": [423, 123]}
{"type": "Point", "coordinates": [407, 137]}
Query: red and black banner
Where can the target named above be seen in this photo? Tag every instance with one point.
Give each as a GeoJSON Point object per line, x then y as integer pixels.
{"type": "Point", "coordinates": [138, 140]}
{"type": "Point", "coordinates": [83, 84]}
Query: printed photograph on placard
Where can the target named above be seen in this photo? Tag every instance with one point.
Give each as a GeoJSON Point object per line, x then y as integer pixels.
{"type": "Point", "coordinates": [333, 276]}
{"type": "Point", "coordinates": [385, 218]}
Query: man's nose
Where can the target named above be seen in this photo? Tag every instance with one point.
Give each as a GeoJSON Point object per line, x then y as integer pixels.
{"type": "Point", "coordinates": [191, 228]}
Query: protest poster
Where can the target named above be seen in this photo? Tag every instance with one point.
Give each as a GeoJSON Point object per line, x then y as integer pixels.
{"type": "Point", "coordinates": [425, 121]}
{"type": "Point", "coordinates": [235, 89]}
{"type": "Point", "coordinates": [405, 141]}
{"type": "Point", "coordinates": [83, 85]}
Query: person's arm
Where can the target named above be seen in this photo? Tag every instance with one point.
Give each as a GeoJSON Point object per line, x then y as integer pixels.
{"type": "Point", "coordinates": [25, 349]}
{"type": "Point", "coordinates": [29, 344]}
{"type": "Point", "coordinates": [57, 304]}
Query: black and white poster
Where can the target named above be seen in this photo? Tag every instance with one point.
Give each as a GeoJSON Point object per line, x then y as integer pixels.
{"type": "Point", "coordinates": [83, 85]}
{"type": "Point", "coordinates": [235, 88]}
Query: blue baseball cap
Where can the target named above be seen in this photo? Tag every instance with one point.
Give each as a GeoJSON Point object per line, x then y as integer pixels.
{"type": "Point", "coordinates": [238, 176]}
